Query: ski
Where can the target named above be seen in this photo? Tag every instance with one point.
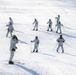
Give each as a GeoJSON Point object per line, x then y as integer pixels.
{"type": "Point", "coordinates": [16, 63]}
{"type": "Point", "coordinates": [19, 63]}
{"type": "Point", "coordinates": [34, 52]}
{"type": "Point", "coordinates": [54, 32]}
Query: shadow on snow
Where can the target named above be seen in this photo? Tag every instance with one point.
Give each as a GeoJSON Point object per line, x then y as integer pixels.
{"type": "Point", "coordinates": [19, 31]}
{"type": "Point", "coordinates": [70, 54]}
{"type": "Point", "coordinates": [47, 54]}
{"type": "Point", "coordinates": [58, 33]}
{"type": "Point", "coordinates": [23, 42]}
{"type": "Point", "coordinates": [25, 68]}
{"type": "Point", "coordinates": [69, 35]}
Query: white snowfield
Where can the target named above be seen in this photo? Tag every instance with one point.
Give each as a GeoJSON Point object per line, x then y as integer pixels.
{"type": "Point", "coordinates": [47, 61]}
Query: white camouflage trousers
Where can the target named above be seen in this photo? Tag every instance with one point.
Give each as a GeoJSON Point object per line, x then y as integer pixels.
{"type": "Point", "coordinates": [11, 55]}
{"type": "Point", "coordinates": [61, 48]}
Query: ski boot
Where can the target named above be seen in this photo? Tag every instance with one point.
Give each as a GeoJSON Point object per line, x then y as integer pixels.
{"type": "Point", "coordinates": [62, 51]}
{"type": "Point", "coordinates": [51, 30]}
{"type": "Point", "coordinates": [36, 50]}
{"type": "Point", "coordinates": [11, 62]}
{"type": "Point", "coordinates": [57, 51]}
{"type": "Point", "coordinates": [36, 29]}
{"type": "Point", "coordinates": [56, 32]}
{"type": "Point", "coordinates": [33, 51]}
{"type": "Point", "coordinates": [33, 29]}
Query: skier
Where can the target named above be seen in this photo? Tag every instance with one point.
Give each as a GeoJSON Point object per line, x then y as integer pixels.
{"type": "Point", "coordinates": [59, 27]}
{"type": "Point", "coordinates": [50, 25]}
{"type": "Point", "coordinates": [60, 41]}
{"type": "Point", "coordinates": [10, 29]}
{"type": "Point", "coordinates": [58, 19]}
{"type": "Point", "coordinates": [14, 41]}
{"type": "Point", "coordinates": [11, 21]}
{"type": "Point", "coordinates": [36, 25]}
{"type": "Point", "coordinates": [36, 40]}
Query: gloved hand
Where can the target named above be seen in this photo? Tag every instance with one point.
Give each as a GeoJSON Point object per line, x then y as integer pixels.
{"type": "Point", "coordinates": [13, 49]}
{"type": "Point", "coordinates": [37, 42]}
{"type": "Point", "coordinates": [58, 41]}
{"type": "Point", "coordinates": [31, 41]}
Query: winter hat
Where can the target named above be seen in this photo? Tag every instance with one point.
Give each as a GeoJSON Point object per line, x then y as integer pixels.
{"type": "Point", "coordinates": [49, 19]}
{"type": "Point", "coordinates": [35, 19]}
{"type": "Point", "coordinates": [59, 22]}
{"type": "Point", "coordinates": [58, 15]}
{"type": "Point", "coordinates": [9, 17]}
{"type": "Point", "coordinates": [14, 37]}
{"type": "Point", "coordinates": [36, 37]}
{"type": "Point", "coordinates": [60, 36]}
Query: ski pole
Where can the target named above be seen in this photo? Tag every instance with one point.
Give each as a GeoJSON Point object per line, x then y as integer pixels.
{"type": "Point", "coordinates": [31, 46]}
{"type": "Point", "coordinates": [55, 46]}
{"type": "Point", "coordinates": [68, 45]}
{"type": "Point", "coordinates": [69, 28]}
{"type": "Point", "coordinates": [63, 28]}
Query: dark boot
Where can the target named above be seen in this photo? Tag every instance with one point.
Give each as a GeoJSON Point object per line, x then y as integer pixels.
{"type": "Point", "coordinates": [48, 30]}
{"type": "Point", "coordinates": [36, 29]}
{"type": "Point", "coordinates": [33, 29]}
{"type": "Point", "coordinates": [11, 62]}
{"type": "Point", "coordinates": [51, 30]}
{"type": "Point", "coordinates": [56, 32]}
{"type": "Point", "coordinates": [62, 51]}
{"type": "Point", "coordinates": [57, 51]}
{"type": "Point", "coordinates": [36, 50]}
{"type": "Point", "coordinates": [33, 50]}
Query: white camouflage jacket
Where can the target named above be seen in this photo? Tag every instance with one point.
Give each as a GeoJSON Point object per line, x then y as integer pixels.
{"type": "Point", "coordinates": [60, 41]}
{"type": "Point", "coordinates": [13, 43]}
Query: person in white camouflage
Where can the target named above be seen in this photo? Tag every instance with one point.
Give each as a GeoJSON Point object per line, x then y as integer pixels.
{"type": "Point", "coordinates": [35, 25]}
{"type": "Point", "coordinates": [50, 25]}
{"type": "Point", "coordinates": [60, 41]}
{"type": "Point", "coordinates": [36, 40]}
{"type": "Point", "coordinates": [10, 29]}
{"type": "Point", "coordinates": [13, 42]}
{"type": "Point", "coordinates": [59, 27]}
{"type": "Point", "coordinates": [57, 19]}
{"type": "Point", "coordinates": [10, 20]}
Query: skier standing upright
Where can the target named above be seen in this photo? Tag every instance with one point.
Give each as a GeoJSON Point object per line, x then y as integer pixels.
{"type": "Point", "coordinates": [58, 19]}
{"type": "Point", "coordinates": [60, 41]}
{"type": "Point", "coordinates": [14, 41]}
{"type": "Point", "coordinates": [36, 40]}
{"type": "Point", "coordinates": [50, 25]}
{"type": "Point", "coordinates": [59, 27]}
{"type": "Point", "coordinates": [10, 29]}
{"type": "Point", "coordinates": [35, 25]}
{"type": "Point", "coordinates": [10, 20]}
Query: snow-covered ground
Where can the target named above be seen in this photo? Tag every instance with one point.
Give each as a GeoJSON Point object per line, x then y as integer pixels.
{"type": "Point", "coordinates": [47, 61]}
